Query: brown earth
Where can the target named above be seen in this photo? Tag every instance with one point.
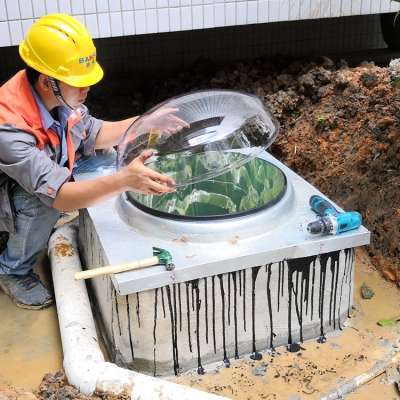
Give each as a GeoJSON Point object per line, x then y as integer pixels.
{"type": "Point", "coordinates": [348, 145]}
{"type": "Point", "coordinates": [53, 387]}
{"type": "Point", "coordinates": [340, 131]}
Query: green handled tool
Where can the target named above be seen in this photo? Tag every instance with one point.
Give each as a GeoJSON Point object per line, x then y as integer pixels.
{"type": "Point", "coordinates": [160, 257]}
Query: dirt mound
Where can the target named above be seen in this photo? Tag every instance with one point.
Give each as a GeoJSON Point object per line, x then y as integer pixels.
{"type": "Point", "coordinates": [346, 141]}
{"type": "Point", "coordinates": [55, 387]}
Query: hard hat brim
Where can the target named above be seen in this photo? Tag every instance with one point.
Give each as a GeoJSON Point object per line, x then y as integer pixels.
{"type": "Point", "coordinates": [90, 79]}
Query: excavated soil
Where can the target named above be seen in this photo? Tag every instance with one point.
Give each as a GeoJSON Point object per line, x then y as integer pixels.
{"type": "Point", "coordinates": [339, 130]}
{"type": "Point", "coordinates": [54, 387]}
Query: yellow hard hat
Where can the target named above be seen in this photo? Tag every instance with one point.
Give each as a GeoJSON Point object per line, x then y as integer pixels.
{"type": "Point", "coordinates": [59, 46]}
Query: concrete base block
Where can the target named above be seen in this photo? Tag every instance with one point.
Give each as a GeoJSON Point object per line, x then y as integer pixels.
{"type": "Point", "coordinates": [186, 325]}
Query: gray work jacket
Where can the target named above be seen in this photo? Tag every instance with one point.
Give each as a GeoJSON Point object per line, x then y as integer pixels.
{"type": "Point", "coordinates": [37, 171]}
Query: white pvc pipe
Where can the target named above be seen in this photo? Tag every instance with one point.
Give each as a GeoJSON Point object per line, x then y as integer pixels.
{"type": "Point", "coordinates": [84, 363]}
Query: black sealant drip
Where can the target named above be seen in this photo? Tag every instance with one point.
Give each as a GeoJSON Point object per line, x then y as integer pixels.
{"type": "Point", "coordinates": [188, 315]}
{"type": "Point", "coordinates": [173, 331]}
{"type": "Point", "coordinates": [297, 266]}
{"type": "Point", "coordinates": [180, 307]}
{"type": "Point", "coordinates": [305, 285]}
{"type": "Point", "coordinates": [312, 289]}
{"type": "Point", "coordinates": [335, 270]}
{"type": "Point", "coordinates": [240, 283]}
{"type": "Point", "coordinates": [221, 285]}
{"type": "Point", "coordinates": [295, 289]}
{"type": "Point", "coordinates": [163, 301]}
{"type": "Point", "coordinates": [290, 284]}
{"type": "Point", "coordinates": [305, 289]}
{"type": "Point", "coordinates": [206, 307]}
{"type": "Point", "coordinates": [303, 298]}
{"type": "Point", "coordinates": [347, 281]}
{"type": "Point", "coordinates": [341, 290]}
{"type": "Point", "coordinates": [323, 259]}
{"type": "Point", "coordinates": [244, 300]}
{"type": "Point", "coordinates": [117, 312]}
{"type": "Point", "coordinates": [128, 313]}
{"type": "Point", "coordinates": [155, 332]}
{"type": "Point", "coordinates": [351, 265]}
{"type": "Point", "coordinates": [229, 298]}
{"type": "Point", "coordinates": [112, 318]}
{"type": "Point", "coordinates": [234, 277]}
{"type": "Point", "coordinates": [175, 320]}
{"type": "Point", "coordinates": [213, 312]}
{"type": "Point", "coordinates": [254, 272]}
{"type": "Point", "coordinates": [193, 303]}
{"type": "Point", "coordinates": [195, 286]}
{"type": "Point", "coordinates": [271, 324]}
{"type": "Point", "coordinates": [279, 283]}
{"type": "Point", "coordinates": [138, 308]}
{"type": "Point", "coordinates": [293, 347]}
{"type": "Point", "coordinates": [344, 275]}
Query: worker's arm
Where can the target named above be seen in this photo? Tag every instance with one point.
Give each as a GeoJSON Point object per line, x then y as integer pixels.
{"type": "Point", "coordinates": [110, 133]}
{"type": "Point", "coordinates": [136, 176]}
{"type": "Point", "coordinates": [163, 119]}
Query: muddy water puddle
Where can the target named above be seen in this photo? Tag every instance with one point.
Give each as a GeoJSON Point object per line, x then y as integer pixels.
{"type": "Point", "coordinates": [30, 344]}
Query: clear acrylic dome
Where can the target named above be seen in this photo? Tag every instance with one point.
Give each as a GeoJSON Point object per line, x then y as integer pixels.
{"type": "Point", "coordinates": [218, 130]}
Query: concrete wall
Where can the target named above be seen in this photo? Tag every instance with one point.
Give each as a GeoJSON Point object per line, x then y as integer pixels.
{"type": "Point", "coordinates": [220, 317]}
{"type": "Point", "coordinates": [116, 18]}
{"type": "Point", "coordinates": [143, 57]}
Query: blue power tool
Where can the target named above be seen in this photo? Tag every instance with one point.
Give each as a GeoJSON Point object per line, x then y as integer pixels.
{"type": "Point", "coordinates": [331, 221]}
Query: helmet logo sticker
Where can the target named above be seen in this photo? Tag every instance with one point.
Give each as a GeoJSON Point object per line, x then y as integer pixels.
{"type": "Point", "coordinates": [88, 60]}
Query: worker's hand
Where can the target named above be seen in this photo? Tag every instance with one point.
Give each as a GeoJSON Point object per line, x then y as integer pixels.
{"type": "Point", "coordinates": [142, 179]}
{"type": "Point", "coordinates": [165, 121]}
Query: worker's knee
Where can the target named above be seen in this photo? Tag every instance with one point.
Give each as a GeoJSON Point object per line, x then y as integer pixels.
{"type": "Point", "coordinates": [31, 213]}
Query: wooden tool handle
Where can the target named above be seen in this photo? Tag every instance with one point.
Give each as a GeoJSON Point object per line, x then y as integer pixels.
{"type": "Point", "coordinates": [114, 269]}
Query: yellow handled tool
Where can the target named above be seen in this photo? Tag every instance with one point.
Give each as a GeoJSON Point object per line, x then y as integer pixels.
{"type": "Point", "coordinates": [161, 256]}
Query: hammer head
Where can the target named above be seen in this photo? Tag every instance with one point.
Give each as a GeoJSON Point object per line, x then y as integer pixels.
{"type": "Point", "coordinates": [164, 258]}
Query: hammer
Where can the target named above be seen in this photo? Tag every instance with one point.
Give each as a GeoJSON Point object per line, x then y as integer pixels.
{"type": "Point", "coordinates": [160, 257]}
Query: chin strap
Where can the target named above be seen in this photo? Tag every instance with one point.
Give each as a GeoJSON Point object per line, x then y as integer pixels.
{"type": "Point", "coordinates": [57, 92]}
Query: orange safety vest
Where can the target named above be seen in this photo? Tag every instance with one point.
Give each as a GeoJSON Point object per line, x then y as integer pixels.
{"type": "Point", "coordinates": [18, 108]}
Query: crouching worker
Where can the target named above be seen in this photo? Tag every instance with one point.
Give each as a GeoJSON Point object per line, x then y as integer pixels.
{"type": "Point", "coordinates": [45, 132]}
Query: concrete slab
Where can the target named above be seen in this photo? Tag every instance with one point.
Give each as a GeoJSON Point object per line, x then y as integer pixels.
{"type": "Point", "coordinates": [201, 248]}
